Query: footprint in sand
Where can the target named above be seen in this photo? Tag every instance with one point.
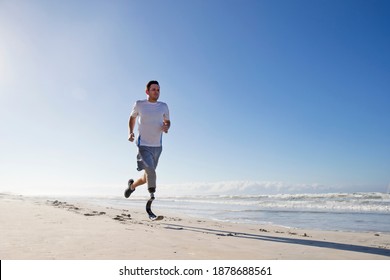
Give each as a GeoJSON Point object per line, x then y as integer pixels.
{"type": "Point", "coordinates": [95, 213]}
{"type": "Point", "coordinates": [123, 217]}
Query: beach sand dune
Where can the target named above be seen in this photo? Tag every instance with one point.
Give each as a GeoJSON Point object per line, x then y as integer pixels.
{"type": "Point", "coordinates": [33, 228]}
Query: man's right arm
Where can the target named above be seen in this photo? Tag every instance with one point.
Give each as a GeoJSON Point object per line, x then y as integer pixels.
{"type": "Point", "coordinates": [131, 128]}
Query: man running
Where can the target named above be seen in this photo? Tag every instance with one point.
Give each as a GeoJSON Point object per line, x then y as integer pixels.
{"type": "Point", "coordinates": [153, 120]}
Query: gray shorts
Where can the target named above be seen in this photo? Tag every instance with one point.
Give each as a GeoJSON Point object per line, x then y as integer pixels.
{"type": "Point", "coordinates": [148, 157]}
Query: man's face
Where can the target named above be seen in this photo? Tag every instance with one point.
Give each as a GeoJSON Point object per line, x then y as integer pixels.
{"type": "Point", "coordinates": [154, 92]}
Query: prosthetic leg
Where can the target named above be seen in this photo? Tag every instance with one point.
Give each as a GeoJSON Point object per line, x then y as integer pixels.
{"type": "Point", "coordinates": [152, 216]}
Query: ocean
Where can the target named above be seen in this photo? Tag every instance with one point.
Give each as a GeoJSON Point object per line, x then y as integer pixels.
{"type": "Point", "coordinates": [360, 212]}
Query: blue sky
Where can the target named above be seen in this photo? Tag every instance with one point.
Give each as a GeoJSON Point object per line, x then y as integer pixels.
{"type": "Point", "coordinates": [264, 96]}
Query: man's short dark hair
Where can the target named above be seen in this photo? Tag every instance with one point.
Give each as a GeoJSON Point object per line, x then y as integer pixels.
{"type": "Point", "coordinates": [151, 83]}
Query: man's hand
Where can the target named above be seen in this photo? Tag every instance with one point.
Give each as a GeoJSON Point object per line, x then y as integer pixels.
{"type": "Point", "coordinates": [166, 126]}
{"type": "Point", "coordinates": [131, 137]}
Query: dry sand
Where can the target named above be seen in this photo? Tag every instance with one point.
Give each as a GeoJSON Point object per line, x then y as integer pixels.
{"type": "Point", "coordinates": [40, 229]}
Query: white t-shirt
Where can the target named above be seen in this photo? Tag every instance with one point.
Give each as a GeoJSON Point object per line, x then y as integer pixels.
{"type": "Point", "coordinates": [151, 116]}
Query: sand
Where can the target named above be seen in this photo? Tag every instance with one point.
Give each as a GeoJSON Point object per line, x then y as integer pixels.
{"type": "Point", "coordinates": [42, 229]}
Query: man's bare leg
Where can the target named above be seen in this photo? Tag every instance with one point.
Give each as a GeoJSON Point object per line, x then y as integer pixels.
{"type": "Point", "coordinates": [139, 182]}
{"type": "Point", "coordinates": [132, 185]}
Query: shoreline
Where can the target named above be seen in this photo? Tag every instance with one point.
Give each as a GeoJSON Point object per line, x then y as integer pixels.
{"type": "Point", "coordinates": [40, 228]}
{"type": "Point", "coordinates": [294, 217]}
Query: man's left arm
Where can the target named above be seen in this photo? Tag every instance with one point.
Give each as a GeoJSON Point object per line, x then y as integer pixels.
{"type": "Point", "coordinates": [166, 122]}
{"type": "Point", "coordinates": [166, 125]}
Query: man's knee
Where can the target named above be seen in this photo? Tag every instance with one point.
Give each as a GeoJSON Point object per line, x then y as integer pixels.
{"type": "Point", "coordinates": [151, 178]}
{"type": "Point", "coordinates": [150, 172]}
